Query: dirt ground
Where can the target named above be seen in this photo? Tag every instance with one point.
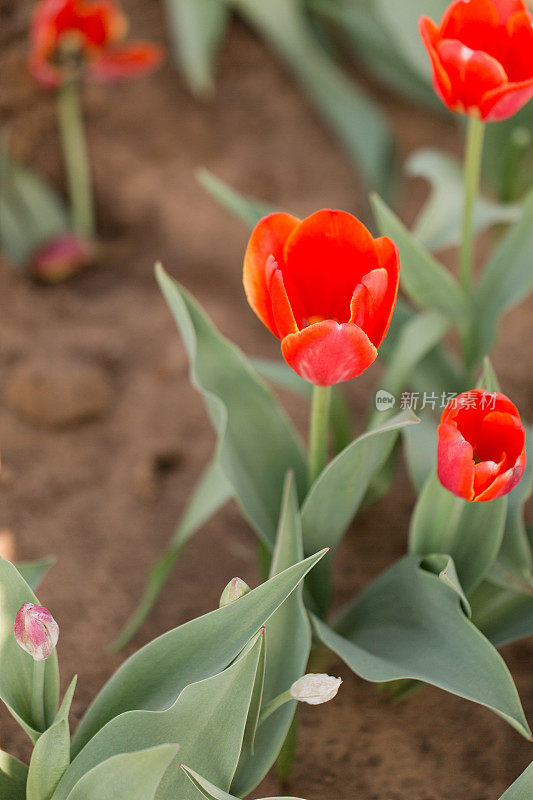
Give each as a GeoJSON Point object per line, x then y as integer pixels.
{"type": "Point", "coordinates": [104, 494]}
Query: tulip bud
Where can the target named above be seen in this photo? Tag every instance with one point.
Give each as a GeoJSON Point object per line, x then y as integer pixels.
{"type": "Point", "coordinates": [61, 258]}
{"type": "Point", "coordinates": [315, 689]}
{"type": "Point", "coordinates": [36, 631]}
{"type": "Point", "coordinates": [235, 589]}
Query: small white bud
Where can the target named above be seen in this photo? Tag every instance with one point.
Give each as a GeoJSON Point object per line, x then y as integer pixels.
{"type": "Point", "coordinates": [235, 589]}
{"type": "Point", "coordinates": [315, 689]}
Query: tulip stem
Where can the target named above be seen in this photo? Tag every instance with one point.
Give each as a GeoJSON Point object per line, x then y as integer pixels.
{"type": "Point", "coordinates": [37, 695]}
{"type": "Point", "coordinates": [277, 702]}
{"type": "Point", "coordinates": [318, 431]}
{"type": "Point", "coordinates": [472, 174]}
{"type": "Point", "coordinates": [76, 158]}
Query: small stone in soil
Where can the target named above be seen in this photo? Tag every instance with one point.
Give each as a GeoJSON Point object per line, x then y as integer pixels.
{"type": "Point", "coordinates": [58, 393]}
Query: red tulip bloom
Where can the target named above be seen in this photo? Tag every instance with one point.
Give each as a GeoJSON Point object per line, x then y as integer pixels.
{"type": "Point", "coordinates": [326, 288]}
{"type": "Point", "coordinates": [70, 38]}
{"type": "Point", "coordinates": [481, 452]}
{"type": "Point", "coordinates": [482, 57]}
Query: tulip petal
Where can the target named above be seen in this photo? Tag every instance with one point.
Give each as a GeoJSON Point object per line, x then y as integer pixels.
{"type": "Point", "coordinates": [441, 81]}
{"type": "Point", "coordinates": [476, 24]}
{"type": "Point", "coordinates": [268, 239]}
{"type": "Point", "coordinates": [281, 308]}
{"type": "Point", "coordinates": [472, 73]}
{"type": "Point", "coordinates": [519, 62]}
{"type": "Point", "coordinates": [502, 103]}
{"type": "Point", "coordinates": [455, 462]}
{"type": "Point", "coordinates": [367, 302]}
{"type": "Point", "coordinates": [388, 259]}
{"type": "Point", "coordinates": [129, 61]}
{"type": "Point", "coordinates": [506, 8]}
{"type": "Point", "coordinates": [501, 438]}
{"type": "Point", "coordinates": [325, 257]}
{"type": "Point", "coordinates": [505, 482]}
{"type": "Point", "coordinates": [327, 353]}
{"type": "Point", "coordinates": [484, 474]}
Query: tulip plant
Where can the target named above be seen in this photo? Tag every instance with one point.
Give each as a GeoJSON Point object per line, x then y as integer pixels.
{"type": "Point", "coordinates": [326, 287]}
{"type": "Point", "coordinates": [183, 717]}
{"type": "Point", "coordinates": [206, 709]}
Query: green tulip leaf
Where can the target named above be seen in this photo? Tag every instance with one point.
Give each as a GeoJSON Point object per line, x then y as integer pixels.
{"type": "Point", "coordinates": [408, 624]}
{"type": "Point", "coordinates": [197, 29]}
{"type": "Point", "coordinates": [335, 496]}
{"type": "Point", "coordinates": [247, 209]}
{"type": "Point", "coordinates": [16, 674]}
{"type": "Point", "coordinates": [129, 776]}
{"type": "Point", "coordinates": [420, 449]}
{"type": "Point", "coordinates": [439, 223]}
{"type": "Point", "coordinates": [288, 640]}
{"type": "Point", "coordinates": [33, 572]}
{"type": "Point", "coordinates": [255, 448]}
{"type": "Point", "coordinates": [471, 533]}
{"type": "Point", "coordinates": [152, 678]}
{"type": "Point", "coordinates": [51, 754]}
{"type": "Point", "coordinates": [212, 492]}
{"type": "Point", "coordinates": [506, 280]}
{"type": "Point", "coordinates": [211, 792]}
{"type": "Point", "coordinates": [207, 721]}
{"type": "Point", "coordinates": [13, 775]}
{"type": "Point", "coordinates": [422, 277]}
{"type": "Point", "coordinates": [522, 788]}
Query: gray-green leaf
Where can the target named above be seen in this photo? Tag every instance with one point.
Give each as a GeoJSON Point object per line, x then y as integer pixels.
{"type": "Point", "coordinates": [152, 678]}
{"type": "Point", "coordinates": [257, 443]}
{"type": "Point", "coordinates": [129, 776]}
{"type": "Point", "coordinates": [410, 624]}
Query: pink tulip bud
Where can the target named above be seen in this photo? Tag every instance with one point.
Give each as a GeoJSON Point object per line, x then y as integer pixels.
{"type": "Point", "coordinates": [61, 258]}
{"type": "Point", "coordinates": [36, 631]}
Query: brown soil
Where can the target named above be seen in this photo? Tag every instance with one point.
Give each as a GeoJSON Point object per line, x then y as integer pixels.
{"type": "Point", "coordinates": [104, 494]}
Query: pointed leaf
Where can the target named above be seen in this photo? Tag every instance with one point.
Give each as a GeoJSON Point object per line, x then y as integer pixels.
{"type": "Point", "coordinates": [211, 792]}
{"type": "Point", "coordinates": [207, 721]}
{"type": "Point", "coordinates": [228, 384]}
{"type": "Point", "coordinates": [335, 496]}
{"type": "Point", "coordinates": [130, 776]}
{"type": "Point", "coordinates": [288, 644]}
{"type": "Point", "coordinates": [247, 209]}
{"type": "Point", "coordinates": [153, 677]}
{"type": "Point", "coordinates": [409, 624]}
{"type": "Point", "coordinates": [522, 788]}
